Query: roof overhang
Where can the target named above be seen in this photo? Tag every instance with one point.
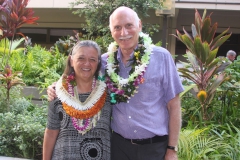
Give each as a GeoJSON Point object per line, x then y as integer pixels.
{"type": "Point", "coordinates": [208, 4]}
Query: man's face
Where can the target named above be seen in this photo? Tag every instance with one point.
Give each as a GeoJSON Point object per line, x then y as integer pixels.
{"type": "Point", "coordinates": [231, 57]}
{"type": "Point", "coordinates": [124, 29]}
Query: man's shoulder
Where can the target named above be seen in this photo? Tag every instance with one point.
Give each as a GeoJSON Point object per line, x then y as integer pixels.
{"type": "Point", "coordinates": [160, 51]}
{"type": "Point", "coordinates": [104, 56]}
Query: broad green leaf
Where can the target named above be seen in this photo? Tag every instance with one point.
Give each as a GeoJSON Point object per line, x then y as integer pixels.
{"type": "Point", "coordinates": [218, 37]}
{"type": "Point", "coordinates": [179, 36]}
{"type": "Point", "coordinates": [187, 71]}
{"type": "Point", "coordinates": [192, 59]}
{"type": "Point", "coordinates": [188, 42]}
{"type": "Point", "coordinates": [205, 28]}
{"type": "Point", "coordinates": [198, 22]}
{"type": "Point", "coordinates": [213, 64]}
{"type": "Point", "coordinates": [16, 43]}
{"type": "Point", "coordinates": [185, 64]}
{"type": "Point", "coordinates": [205, 51]}
{"type": "Point", "coordinates": [4, 51]}
{"type": "Point", "coordinates": [211, 33]}
{"type": "Point", "coordinates": [186, 89]}
{"type": "Point", "coordinates": [198, 47]}
{"type": "Point", "coordinates": [220, 41]}
{"type": "Point", "coordinates": [186, 33]}
{"type": "Point", "coordinates": [193, 78]}
{"type": "Point", "coordinates": [183, 69]}
{"type": "Point", "coordinates": [220, 78]}
{"type": "Point", "coordinates": [204, 14]}
{"type": "Point", "coordinates": [194, 31]}
{"type": "Point", "coordinates": [208, 74]}
{"type": "Point", "coordinates": [211, 56]}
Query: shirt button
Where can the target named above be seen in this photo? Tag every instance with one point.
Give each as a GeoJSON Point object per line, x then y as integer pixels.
{"type": "Point", "coordinates": [135, 131]}
{"type": "Point", "coordinates": [129, 117]}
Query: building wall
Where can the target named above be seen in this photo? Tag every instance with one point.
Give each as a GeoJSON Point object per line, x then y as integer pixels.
{"type": "Point", "coordinates": [51, 4]}
{"type": "Point", "coordinates": [57, 19]}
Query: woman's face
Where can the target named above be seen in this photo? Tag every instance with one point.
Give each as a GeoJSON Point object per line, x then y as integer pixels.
{"type": "Point", "coordinates": [85, 62]}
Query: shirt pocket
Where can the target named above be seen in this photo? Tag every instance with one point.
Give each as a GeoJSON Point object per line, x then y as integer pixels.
{"type": "Point", "coordinates": [149, 90]}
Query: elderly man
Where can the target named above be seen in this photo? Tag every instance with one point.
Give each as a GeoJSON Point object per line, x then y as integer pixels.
{"type": "Point", "coordinates": [231, 55]}
{"type": "Point", "coordinates": [146, 125]}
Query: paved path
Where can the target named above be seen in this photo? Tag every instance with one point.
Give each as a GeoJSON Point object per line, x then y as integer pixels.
{"type": "Point", "coordinates": [11, 158]}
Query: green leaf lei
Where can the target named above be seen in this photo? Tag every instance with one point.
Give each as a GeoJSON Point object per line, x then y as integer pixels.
{"type": "Point", "coordinates": [123, 89]}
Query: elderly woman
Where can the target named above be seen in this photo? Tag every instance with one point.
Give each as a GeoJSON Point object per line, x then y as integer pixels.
{"type": "Point", "coordinates": [78, 125]}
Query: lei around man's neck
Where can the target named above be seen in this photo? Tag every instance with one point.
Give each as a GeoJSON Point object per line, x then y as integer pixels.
{"type": "Point", "coordinates": [122, 89]}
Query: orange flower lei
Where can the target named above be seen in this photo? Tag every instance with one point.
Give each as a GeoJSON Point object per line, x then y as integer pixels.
{"type": "Point", "coordinates": [87, 113]}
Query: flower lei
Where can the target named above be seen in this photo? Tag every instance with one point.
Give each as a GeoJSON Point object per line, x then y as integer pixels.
{"type": "Point", "coordinates": [122, 89]}
{"type": "Point", "coordinates": [84, 115]}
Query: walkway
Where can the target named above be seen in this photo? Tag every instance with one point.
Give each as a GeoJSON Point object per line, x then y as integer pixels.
{"type": "Point", "coordinates": [11, 158]}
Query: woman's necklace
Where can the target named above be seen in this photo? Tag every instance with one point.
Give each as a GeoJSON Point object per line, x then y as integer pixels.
{"type": "Point", "coordinates": [122, 89]}
{"type": "Point", "coordinates": [84, 115]}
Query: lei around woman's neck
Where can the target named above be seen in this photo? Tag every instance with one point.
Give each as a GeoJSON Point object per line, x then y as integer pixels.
{"type": "Point", "coordinates": [65, 92]}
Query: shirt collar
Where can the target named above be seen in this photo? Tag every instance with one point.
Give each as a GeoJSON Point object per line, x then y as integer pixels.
{"type": "Point", "coordinates": [119, 54]}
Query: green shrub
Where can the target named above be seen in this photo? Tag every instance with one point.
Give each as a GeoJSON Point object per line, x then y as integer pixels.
{"type": "Point", "coordinates": [204, 144]}
{"type": "Point", "coordinates": [39, 66]}
{"type": "Point", "coordinates": [15, 94]}
{"type": "Point", "coordinates": [22, 130]}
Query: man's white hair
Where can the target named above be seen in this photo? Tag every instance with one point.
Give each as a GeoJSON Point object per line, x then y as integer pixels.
{"type": "Point", "coordinates": [231, 53]}
{"type": "Point", "coordinates": [136, 18]}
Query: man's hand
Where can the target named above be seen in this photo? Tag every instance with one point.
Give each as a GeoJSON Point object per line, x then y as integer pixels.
{"type": "Point", "coordinates": [171, 155]}
{"type": "Point", "coordinates": [51, 92]}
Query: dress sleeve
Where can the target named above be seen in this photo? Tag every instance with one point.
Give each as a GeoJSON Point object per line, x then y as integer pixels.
{"type": "Point", "coordinates": [53, 121]}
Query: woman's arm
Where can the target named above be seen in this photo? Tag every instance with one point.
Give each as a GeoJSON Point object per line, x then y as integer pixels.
{"type": "Point", "coordinates": [50, 137]}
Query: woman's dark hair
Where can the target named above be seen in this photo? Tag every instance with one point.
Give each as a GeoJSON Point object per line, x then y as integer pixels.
{"type": "Point", "coordinates": [86, 43]}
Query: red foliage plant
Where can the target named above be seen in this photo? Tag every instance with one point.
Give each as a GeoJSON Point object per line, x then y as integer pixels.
{"type": "Point", "coordinates": [13, 15]}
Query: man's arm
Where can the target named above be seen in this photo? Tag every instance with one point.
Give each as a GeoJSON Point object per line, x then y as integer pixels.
{"type": "Point", "coordinates": [51, 92]}
{"type": "Point", "coordinates": [175, 122]}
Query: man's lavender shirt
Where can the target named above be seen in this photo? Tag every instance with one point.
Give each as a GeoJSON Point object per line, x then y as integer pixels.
{"type": "Point", "coordinates": [146, 114]}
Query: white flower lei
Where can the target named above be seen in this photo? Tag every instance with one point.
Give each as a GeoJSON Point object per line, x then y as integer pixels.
{"type": "Point", "coordinates": [73, 101]}
{"type": "Point", "coordinates": [138, 70]}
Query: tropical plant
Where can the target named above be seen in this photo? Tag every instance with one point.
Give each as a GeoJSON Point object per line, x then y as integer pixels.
{"type": "Point", "coordinates": [199, 144]}
{"type": "Point", "coordinates": [13, 15]}
{"type": "Point", "coordinates": [65, 44]}
{"type": "Point", "coordinates": [229, 95]}
{"type": "Point", "coordinates": [231, 135]}
{"type": "Point", "coordinates": [15, 94]}
{"type": "Point", "coordinates": [224, 107]}
{"type": "Point", "coordinates": [39, 66]}
{"type": "Point", "coordinates": [10, 79]}
{"type": "Point", "coordinates": [202, 67]}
